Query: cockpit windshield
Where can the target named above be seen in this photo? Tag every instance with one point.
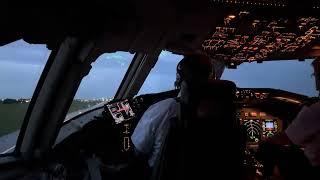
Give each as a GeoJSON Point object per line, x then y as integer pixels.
{"type": "Point", "coordinates": [294, 76]}
{"type": "Point", "coordinates": [101, 84]}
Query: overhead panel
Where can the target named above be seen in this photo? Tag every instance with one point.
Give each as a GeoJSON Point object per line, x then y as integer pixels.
{"type": "Point", "coordinates": [261, 30]}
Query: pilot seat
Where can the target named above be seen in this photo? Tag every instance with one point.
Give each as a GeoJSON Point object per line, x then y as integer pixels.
{"type": "Point", "coordinates": [204, 141]}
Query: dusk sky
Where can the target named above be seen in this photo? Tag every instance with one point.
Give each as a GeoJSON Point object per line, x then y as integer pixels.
{"type": "Point", "coordinates": [21, 65]}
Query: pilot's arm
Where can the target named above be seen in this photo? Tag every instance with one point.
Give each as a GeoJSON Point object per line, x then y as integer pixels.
{"type": "Point", "coordinates": [305, 126]}
{"type": "Point", "coordinates": [144, 134]}
{"type": "Point", "coordinates": [152, 128]}
{"type": "Point", "coordinates": [143, 139]}
{"type": "Point", "coordinates": [300, 132]}
{"type": "Point", "coordinates": [302, 128]}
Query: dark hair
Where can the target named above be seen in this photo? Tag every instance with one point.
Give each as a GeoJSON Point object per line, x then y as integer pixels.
{"type": "Point", "coordinates": [194, 68]}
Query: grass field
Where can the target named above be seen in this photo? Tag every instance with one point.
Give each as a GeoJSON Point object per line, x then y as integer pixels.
{"type": "Point", "coordinates": [12, 115]}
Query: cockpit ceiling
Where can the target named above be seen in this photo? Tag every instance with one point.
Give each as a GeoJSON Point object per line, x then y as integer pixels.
{"type": "Point", "coordinates": [234, 31]}
{"type": "Point", "coordinates": [270, 3]}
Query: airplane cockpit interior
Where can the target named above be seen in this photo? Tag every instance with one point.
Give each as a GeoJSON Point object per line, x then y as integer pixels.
{"type": "Point", "coordinates": [96, 143]}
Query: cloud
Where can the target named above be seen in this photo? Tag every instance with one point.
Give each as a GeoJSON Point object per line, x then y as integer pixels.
{"type": "Point", "coordinates": [116, 60]}
{"type": "Point", "coordinates": [101, 82]}
{"type": "Point", "coordinates": [18, 80]}
{"type": "Point", "coordinates": [158, 83]}
{"type": "Point", "coordinates": [21, 52]}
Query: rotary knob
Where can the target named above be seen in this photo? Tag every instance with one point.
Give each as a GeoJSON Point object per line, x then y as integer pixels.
{"type": "Point", "coordinates": [270, 134]}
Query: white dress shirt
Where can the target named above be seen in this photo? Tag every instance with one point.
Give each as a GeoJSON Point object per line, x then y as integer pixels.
{"type": "Point", "coordinates": [305, 131]}
{"type": "Point", "coordinates": [152, 129]}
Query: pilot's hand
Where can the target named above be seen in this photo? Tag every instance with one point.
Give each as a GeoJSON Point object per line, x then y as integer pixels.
{"type": "Point", "coordinates": [267, 154]}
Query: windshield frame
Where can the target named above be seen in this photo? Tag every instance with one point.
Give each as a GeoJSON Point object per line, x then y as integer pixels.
{"type": "Point", "coordinates": [35, 95]}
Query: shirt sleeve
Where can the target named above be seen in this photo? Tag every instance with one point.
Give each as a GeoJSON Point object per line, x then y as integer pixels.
{"type": "Point", "coordinates": [143, 137]}
{"type": "Point", "coordinates": [305, 125]}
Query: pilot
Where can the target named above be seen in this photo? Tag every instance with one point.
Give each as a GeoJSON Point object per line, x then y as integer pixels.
{"type": "Point", "coordinates": [304, 131]}
{"type": "Point", "coordinates": [151, 131]}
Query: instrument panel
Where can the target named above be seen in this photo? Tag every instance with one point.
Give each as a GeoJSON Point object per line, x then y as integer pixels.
{"type": "Point", "coordinates": [123, 115]}
{"type": "Point", "coordinates": [258, 125]}
{"type": "Point", "coordinates": [249, 94]}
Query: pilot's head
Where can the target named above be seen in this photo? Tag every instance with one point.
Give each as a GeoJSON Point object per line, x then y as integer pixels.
{"type": "Point", "coordinates": [316, 67]}
{"type": "Point", "coordinates": [216, 100]}
{"type": "Point", "coordinates": [193, 70]}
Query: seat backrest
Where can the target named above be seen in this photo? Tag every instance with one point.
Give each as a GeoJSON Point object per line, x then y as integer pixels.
{"type": "Point", "coordinates": [207, 143]}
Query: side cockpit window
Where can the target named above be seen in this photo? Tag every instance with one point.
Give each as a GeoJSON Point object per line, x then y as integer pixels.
{"type": "Point", "coordinates": [21, 65]}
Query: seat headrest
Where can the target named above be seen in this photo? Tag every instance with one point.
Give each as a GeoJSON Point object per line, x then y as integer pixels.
{"type": "Point", "coordinates": [219, 90]}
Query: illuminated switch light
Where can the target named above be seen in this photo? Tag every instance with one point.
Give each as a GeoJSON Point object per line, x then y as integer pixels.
{"type": "Point", "coordinates": [263, 114]}
{"type": "Point", "coordinates": [254, 114]}
{"type": "Point", "coordinates": [231, 16]}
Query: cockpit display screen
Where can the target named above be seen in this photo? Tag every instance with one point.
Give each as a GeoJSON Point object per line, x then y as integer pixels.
{"type": "Point", "coordinates": [121, 111]}
{"type": "Point", "coordinates": [269, 125]}
{"type": "Point", "coordinates": [253, 128]}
